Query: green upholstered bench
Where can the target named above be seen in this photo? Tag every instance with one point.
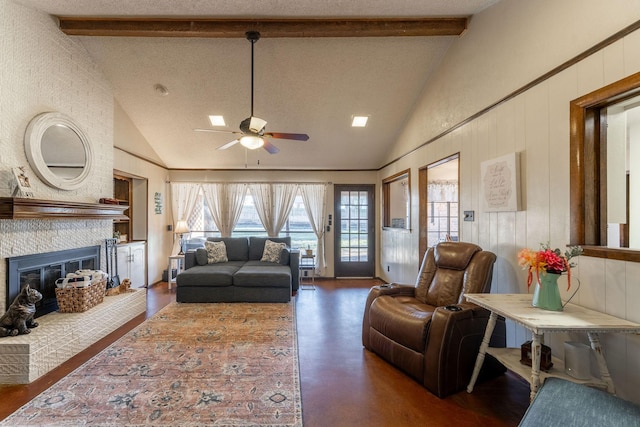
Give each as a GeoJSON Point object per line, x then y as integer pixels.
{"type": "Point", "coordinates": [566, 404]}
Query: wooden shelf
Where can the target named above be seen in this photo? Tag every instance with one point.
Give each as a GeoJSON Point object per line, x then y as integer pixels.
{"type": "Point", "coordinates": [25, 208]}
{"type": "Point", "coordinates": [510, 358]}
{"type": "Point", "coordinates": [123, 193]}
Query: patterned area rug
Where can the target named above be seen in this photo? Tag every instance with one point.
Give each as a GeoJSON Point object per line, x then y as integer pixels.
{"type": "Point", "coordinates": [189, 365]}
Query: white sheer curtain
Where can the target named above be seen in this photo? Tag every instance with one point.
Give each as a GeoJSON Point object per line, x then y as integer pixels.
{"type": "Point", "coordinates": [225, 202]}
{"type": "Point", "coordinates": [442, 191]}
{"type": "Point", "coordinates": [183, 199]}
{"type": "Point", "coordinates": [315, 203]}
{"type": "Point", "coordinates": [273, 203]}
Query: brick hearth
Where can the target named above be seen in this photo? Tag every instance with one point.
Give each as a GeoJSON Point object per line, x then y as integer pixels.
{"type": "Point", "coordinates": [60, 336]}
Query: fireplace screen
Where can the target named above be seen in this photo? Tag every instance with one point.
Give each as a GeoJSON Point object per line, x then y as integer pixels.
{"type": "Point", "coordinates": [41, 271]}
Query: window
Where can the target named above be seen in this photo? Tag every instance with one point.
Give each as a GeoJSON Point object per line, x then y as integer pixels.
{"type": "Point", "coordinates": [249, 223]}
{"type": "Point", "coordinates": [439, 206]}
{"type": "Point", "coordinates": [396, 199]}
{"type": "Point", "coordinates": [297, 226]}
{"type": "Point", "coordinates": [602, 212]}
{"type": "Point", "coordinates": [201, 222]}
{"type": "Point", "coordinates": [442, 224]}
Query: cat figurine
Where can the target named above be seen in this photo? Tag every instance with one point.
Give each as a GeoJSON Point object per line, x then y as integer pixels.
{"type": "Point", "coordinates": [19, 316]}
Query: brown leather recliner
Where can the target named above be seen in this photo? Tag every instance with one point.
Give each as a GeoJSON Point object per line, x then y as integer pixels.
{"type": "Point", "coordinates": [428, 330]}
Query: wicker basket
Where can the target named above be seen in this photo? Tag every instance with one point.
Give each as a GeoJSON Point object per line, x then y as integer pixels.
{"type": "Point", "coordinates": [77, 300]}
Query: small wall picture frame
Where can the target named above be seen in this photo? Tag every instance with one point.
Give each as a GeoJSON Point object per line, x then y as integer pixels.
{"type": "Point", "coordinates": [22, 185]}
{"type": "Point", "coordinates": [500, 184]}
{"type": "Point", "coordinates": [157, 199]}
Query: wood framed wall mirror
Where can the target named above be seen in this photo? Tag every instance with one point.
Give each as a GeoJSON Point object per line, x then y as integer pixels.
{"type": "Point", "coordinates": [605, 171]}
{"type": "Point", "coordinates": [439, 189]}
{"type": "Point", "coordinates": [396, 200]}
{"type": "Point", "coordinates": [58, 150]}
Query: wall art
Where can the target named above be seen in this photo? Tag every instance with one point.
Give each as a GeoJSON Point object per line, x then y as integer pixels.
{"type": "Point", "coordinates": [500, 184]}
{"type": "Point", "coordinates": [21, 185]}
{"type": "Point", "coordinates": [157, 199]}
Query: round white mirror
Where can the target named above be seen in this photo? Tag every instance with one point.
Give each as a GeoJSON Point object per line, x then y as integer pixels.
{"type": "Point", "coordinates": [58, 150]}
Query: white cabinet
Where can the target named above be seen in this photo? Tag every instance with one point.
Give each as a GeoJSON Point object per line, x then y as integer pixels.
{"type": "Point", "coordinates": [132, 263]}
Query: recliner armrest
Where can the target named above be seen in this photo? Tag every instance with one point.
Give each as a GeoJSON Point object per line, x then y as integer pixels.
{"type": "Point", "coordinates": [376, 291]}
{"type": "Point", "coordinates": [452, 347]}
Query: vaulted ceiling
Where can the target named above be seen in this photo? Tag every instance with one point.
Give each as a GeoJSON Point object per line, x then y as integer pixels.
{"type": "Point", "coordinates": [307, 78]}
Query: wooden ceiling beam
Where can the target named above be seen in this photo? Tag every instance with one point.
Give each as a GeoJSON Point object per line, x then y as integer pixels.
{"type": "Point", "coordinates": [268, 28]}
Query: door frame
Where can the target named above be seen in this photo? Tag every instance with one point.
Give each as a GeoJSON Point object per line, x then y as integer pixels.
{"type": "Point", "coordinates": [368, 270]}
{"type": "Point", "coordinates": [423, 202]}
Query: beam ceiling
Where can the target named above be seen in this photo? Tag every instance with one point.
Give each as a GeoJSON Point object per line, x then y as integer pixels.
{"type": "Point", "coordinates": [268, 28]}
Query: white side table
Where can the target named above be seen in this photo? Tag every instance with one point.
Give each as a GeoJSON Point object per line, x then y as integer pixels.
{"type": "Point", "coordinates": [307, 264]}
{"type": "Point", "coordinates": [179, 263]}
{"type": "Point", "coordinates": [574, 318]}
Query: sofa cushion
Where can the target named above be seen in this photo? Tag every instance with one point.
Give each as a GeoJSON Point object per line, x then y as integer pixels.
{"type": "Point", "coordinates": [411, 320]}
{"type": "Point", "coordinates": [212, 275]}
{"type": "Point", "coordinates": [285, 256]}
{"type": "Point", "coordinates": [256, 245]}
{"type": "Point", "coordinates": [202, 257]}
{"type": "Point", "coordinates": [237, 247]}
{"type": "Point", "coordinates": [216, 252]}
{"type": "Point", "coordinates": [272, 251]}
{"type": "Point", "coordinates": [263, 274]}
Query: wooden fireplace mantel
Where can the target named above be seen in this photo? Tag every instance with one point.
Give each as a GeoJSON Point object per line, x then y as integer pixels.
{"type": "Point", "coordinates": [25, 208]}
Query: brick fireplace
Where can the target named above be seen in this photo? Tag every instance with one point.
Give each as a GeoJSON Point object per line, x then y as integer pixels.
{"type": "Point", "coordinates": [59, 336]}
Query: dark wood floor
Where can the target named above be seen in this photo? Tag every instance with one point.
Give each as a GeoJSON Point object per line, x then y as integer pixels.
{"type": "Point", "coordinates": [342, 384]}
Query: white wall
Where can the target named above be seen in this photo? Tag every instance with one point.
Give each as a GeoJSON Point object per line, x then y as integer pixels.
{"type": "Point", "coordinates": [43, 70]}
{"type": "Point", "coordinates": [506, 47]}
{"type": "Point", "coordinates": [127, 139]}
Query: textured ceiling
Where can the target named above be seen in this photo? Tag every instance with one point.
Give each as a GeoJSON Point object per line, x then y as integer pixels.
{"type": "Point", "coordinates": [302, 85]}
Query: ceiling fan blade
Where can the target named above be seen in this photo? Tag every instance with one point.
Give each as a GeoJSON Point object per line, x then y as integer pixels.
{"type": "Point", "coordinates": [218, 131]}
{"type": "Point", "coordinates": [282, 135]}
{"type": "Point", "coordinates": [228, 144]}
{"type": "Point", "coordinates": [272, 149]}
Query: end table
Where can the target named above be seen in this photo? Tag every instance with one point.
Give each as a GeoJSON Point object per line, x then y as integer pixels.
{"type": "Point", "coordinates": [179, 261]}
{"type": "Point", "coordinates": [308, 266]}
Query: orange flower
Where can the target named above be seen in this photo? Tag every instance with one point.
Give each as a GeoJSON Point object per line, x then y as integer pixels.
{"type": "Point", "coordinates": [547, 260]}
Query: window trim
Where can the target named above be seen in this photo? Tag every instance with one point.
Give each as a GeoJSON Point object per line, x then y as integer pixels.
{"type": "Point", "coordinates": [386, 200]}
{"type": "Point", "coordinates": [588, 204]}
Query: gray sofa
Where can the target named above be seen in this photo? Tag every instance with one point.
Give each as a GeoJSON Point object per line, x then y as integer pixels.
{"type": "Point", "coordinates": [565, 404]}
{"type": "Point", "coordinates": [243, 278]}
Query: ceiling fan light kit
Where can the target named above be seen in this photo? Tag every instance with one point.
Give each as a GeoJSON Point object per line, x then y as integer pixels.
{"type": "Point", "coordinates": [253, 128]}
{"type": "Point", "coordinates": [251, 142]}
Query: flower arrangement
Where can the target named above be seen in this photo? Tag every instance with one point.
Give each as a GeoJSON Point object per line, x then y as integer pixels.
{"type": "Point", "coordinates": [547, 260]}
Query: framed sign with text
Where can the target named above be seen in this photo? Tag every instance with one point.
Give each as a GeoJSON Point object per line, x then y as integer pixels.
{"type": "Point", "coordinates": [500, 184]}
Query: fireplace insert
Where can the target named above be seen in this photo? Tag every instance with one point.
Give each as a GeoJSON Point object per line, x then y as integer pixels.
{"type": "Point", "coordinates": [41, 271]}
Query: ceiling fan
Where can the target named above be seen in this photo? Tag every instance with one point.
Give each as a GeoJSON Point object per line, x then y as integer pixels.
{"type": "Point", "coordinates": [253, 128]}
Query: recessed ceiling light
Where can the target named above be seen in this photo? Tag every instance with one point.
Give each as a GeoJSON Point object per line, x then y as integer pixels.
{"type": "Point", "coordinates": [217, 121]}
{"type": "Point", "coordinates": [359, 121]}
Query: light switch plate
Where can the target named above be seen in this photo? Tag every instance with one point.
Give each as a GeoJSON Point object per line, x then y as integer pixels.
{"type": "Point", "coordinates": [469, 215]}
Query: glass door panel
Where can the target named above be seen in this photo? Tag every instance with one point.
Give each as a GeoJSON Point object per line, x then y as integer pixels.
{"type": "Point", "coordinates": [355, 235]}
